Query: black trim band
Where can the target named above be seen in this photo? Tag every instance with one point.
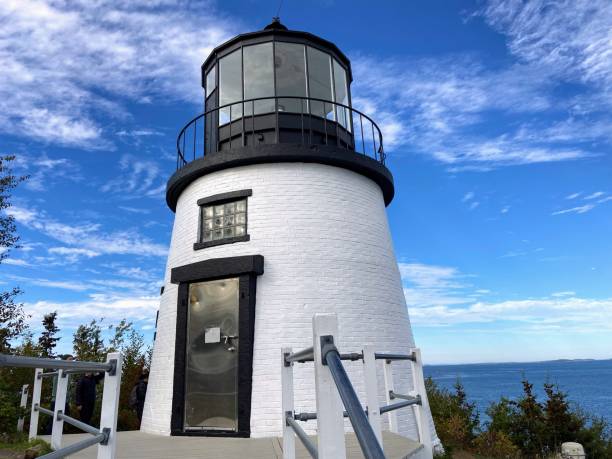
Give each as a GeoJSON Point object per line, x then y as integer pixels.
{"type": "Point", "coordinates": [278, 153]}
{"type": "Point", "coordinates": [227, 240]}
{"type": "Point", "coordinates": [217, 268]}
{"type": "Point", "coordinates": [224, 197]}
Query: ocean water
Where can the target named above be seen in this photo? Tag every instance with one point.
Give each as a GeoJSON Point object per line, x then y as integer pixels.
{"type": "Point", "coordinates": [587, 383]}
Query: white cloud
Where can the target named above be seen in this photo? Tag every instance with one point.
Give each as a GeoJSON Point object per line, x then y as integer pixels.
{"type": "Point", "coordinates": [595, 195]}
{"type": "Point", "coordinates": [62, 61]}
{"type": "Point", "coordinates": [468, 196]}
{"type": "Point", "coordinates": [134, 210]}
{"type": "Point", "coordinates": [15, 262]}
{"type": "Point", "coordinates": [573, 38]}
{"type": "Point", "coordinates": [429, 284]}
{"type": "Point", "coordinates": [44, 171]}
{"type": "Point", "coordinates": [596, 198]}
{"type": "Point", "coordinates": [113, 307]}
{"type": "Point", "coordinates": [439, 296]}
{"type": "Point", "coordinates": [88, 238]}
{"type": "Point", "coordinates": [575, 210]}
{"type": "Point", "coordinates": [73, 254]}
{"type": "Point", "coordinates": [562, 294]}
{"type": "Point", "coordinates": [568, 313]}
{"type": "Point", "coordinates": [139, 177]}
{"type": "Point", "coordinates": [443, 107]}
{"type": "Point", "coordinates": [505, 210]}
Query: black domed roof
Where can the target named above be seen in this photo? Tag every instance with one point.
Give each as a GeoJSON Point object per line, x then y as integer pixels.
{"type": "Point", "coordinates": [275, 25]}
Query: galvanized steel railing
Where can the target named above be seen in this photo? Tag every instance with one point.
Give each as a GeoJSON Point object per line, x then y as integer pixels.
{"type": "Point", "coordinates": [334, 391]}
{"type": "Point", "coordinates": [104, 437]}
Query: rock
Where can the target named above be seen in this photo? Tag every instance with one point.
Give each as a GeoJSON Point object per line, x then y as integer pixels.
{"type": "Point", "coordinates": [34, 451]}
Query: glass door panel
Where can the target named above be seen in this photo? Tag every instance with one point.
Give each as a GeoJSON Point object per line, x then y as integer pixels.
{"type": "Point", "coordinates": [211, 380]}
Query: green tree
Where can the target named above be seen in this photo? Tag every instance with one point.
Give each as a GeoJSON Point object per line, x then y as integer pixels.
{"type": "Point", "coordinates": [456, 419]}
{"type": "Point", "coordinates": [87, 342]}
{"type": "Point", "coordinates": [12, 316]}
{"type": "Point", "coordinates": [529, 425]}
{"type": "Point", "coordinates": [48, 338]}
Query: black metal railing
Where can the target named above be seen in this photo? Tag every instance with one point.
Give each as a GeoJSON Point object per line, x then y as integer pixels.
{"type": "Point", "coordinates": [279, 119]}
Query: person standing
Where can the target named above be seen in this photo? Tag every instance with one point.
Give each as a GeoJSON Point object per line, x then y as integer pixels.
{"type": "Point", "coordinates": [85, 395]}
{"type": "Point", "coordinates": [138, 394]}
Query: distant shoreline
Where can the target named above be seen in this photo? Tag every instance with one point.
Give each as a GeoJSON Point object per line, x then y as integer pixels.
{"type": "Point", "coordinates": [516, 362]}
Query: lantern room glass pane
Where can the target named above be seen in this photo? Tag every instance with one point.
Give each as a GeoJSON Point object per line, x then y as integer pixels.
{"type": "Point", "coordinates": [341, 94]}
{"type": "Point", "coordinates": [290, 65]}
{"type": "Point", "coordinates": [230, 86]}
{"type": "Point", "coordinates": [258, 77]}
{"type": "Point", "coordinates": [211, 81]}
{"type": "Point", "coordinates": [320, 82]}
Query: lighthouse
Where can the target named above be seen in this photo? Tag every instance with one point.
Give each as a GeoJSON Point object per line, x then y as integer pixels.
{"type": "Point", "coordinates": [279, 195]}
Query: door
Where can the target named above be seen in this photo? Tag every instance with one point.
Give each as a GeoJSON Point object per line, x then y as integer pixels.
{"type": "Point", "coordinates": [211, 379]}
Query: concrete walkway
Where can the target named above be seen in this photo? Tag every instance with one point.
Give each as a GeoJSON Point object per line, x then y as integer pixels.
{"type": "Point", "coordinates": [138, 445]}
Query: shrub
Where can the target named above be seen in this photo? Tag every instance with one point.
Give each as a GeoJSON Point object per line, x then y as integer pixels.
{"type": "Point", "coordinates": [523, 428]}
{"type": "Point", "coordinates": [495, 444]}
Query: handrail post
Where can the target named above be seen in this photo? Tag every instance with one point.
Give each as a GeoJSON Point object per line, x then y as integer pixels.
{"type": "Point", "coordinates": [388, 372]}
{"type": "Point", "coordinates": [60, 403]}
{"type": "Point", "coordinates": [371, 389]}
{"type": "Point", "coordinates": [330, 420]}
{"type": "Point", "coordinates": [110, 406]}
{"type": "Point", "coordinates": [287, 404]}
{"type": "Point", "coordinates": [35, 402]}
{"type": "Point", "coordinates": [422, 419]}
{"type": "Point", "coordinates": [23, 403]}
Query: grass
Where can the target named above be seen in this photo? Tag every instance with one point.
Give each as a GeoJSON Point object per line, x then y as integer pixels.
{"type": "Point", "coordinates": [22, 443]}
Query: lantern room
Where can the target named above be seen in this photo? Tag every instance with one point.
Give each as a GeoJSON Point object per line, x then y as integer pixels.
{"type": "Point", "coordinates": [277, 86]}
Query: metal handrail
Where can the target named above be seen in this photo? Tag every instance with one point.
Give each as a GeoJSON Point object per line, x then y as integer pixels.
{"type": "Point", "coordinates": [305, 355]}
{"type": "Point", "coordinates": [370, 446]}
{"type": "Point", "coordinates": [75, 447]}
{"type": "Point", "coordinates": [78, 424]}
{"type": "Point", "coordinates": [390, 357]}
{"type": "Point", "coordinates": [42, 410]}
{"type": "Point", "coordinates": [377, 144]}
{"type": "Point", "coordinates": [397, 406]}
{"type": "Point", "coordinates": [306, 441]}
{"type": "Point", "coordinates": [20, 361]}
{"type": "Point", "coordinates": [411, 398]}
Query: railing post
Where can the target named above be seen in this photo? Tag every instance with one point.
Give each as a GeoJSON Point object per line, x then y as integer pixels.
{"type": "Point", "coordinates": [287, 405]}
{"type": "Point", "coordinates": [35, 402]}
{"type": "Point", "coordinates": [60, 404]}
{"type": "Point", "coordinates": [23, 403]}
{"type": "Point", "coordinates": [371, 389]}
{"type": "Point", "coordinates": [110, 407]}
{"type": "Point", "coordinates": [330, 421]}
{"type": "Point", "coordinates": [421, 410]}
{"type": "Point", "coordinates": [388, 372]}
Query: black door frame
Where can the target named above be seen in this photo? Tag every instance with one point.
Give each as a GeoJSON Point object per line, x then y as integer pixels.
{"type": "Point", "coordinates": [246, 269]}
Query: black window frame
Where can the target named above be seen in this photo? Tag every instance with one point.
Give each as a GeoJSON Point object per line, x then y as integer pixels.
{"type": "Point", "coordinates": [222, 198]}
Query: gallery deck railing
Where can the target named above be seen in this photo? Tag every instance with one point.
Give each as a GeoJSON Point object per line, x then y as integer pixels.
{"type": "Point", "coordinates": [279, 119]}
{"type": "Point", "coordinates": [105, 436]}
{"type": "Point", "coordinates": [336, 398]}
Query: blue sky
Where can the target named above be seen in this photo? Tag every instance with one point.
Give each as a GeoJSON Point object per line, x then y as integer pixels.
{"type": "Point", "coordinates": [496, 117]}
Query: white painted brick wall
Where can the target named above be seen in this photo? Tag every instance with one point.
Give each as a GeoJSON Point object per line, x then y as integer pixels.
{"type": "Point", "coordinates": [325, 239]}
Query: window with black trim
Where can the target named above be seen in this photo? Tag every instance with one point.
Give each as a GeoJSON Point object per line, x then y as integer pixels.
{"type": "Point", "coordinates": [223, 219]}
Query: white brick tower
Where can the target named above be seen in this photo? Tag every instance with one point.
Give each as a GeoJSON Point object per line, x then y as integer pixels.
{"type": "Point", "coordinates": [279, 195]}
